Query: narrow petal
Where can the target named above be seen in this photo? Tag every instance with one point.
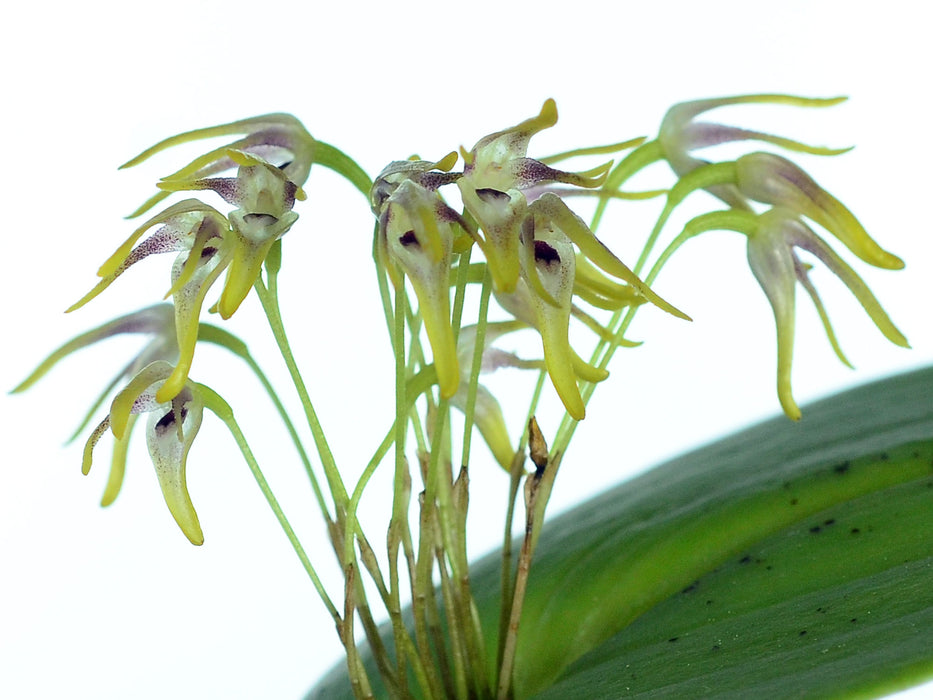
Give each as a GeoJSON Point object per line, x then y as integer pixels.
{"type": "Point", "coordinates": [118, 465]}
{"type": "Point", "coordinates": [188, 303]}
{"type": "Point", "coordinates": [554, 209]}
{"type": "Point", "coordinates": [254, 235]}
{"type": "Point", "coordinates": [93, 439]}
{"type": "Point", "coordinates": [809, 241]}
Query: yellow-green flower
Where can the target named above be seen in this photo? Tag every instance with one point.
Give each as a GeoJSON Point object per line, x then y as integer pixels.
{"type": "Point", "coordinates": [774, 237]}
{"type": "Point", "coordinates": [774, 180]}
{"type": "Point", "coordinates": [158, 323]}
{"type": "Point", "coordinates": [496, 173]}
{"type": "Point", "coordinates": [680, 134]}
{"type": "Point", "coordinates": [201, 236]}
{"type": "Point", "coordinates": [416, 238]}
{"type": "Point", "coordinates": [265, 197]}
{"type": "Point", "coordinates": [170, 431]}
{"type": "Point", "coordinates": [278, 139]}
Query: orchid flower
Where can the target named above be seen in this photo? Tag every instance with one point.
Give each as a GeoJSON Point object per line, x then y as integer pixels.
{"type": "Point", "coordinates": [774, 237]}
{"type": "Point", "coordinates": [496, 173]}
{"type": "Point", "coordinates": [200, 235]}
{"type": "Point", "coordinates": [170, 431]}
{"type": "Point", "coordinates": [265, 197]}
{"type": "Point", "coordinates": [279, 139]}
{"type": "Point", "coordinates": [680, 134]}
{"type": "Point", "coordinates": [416, 238]}
{"type": "Point", "coordinates": [158, 322]}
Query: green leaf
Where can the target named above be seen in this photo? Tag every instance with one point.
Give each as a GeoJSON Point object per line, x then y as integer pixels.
{"type": "Point", "coordinates": [787, 560]}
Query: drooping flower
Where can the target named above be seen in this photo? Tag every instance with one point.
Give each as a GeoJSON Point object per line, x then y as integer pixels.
{"type": "Point", "coordinates": [278, 139]}
{"type": "Point", "coordinates": [416, 238]}
{"type": "Point", "coordinates": [680, 135]}
{"type": "Point", "coordinates": [157, 322]}
{"type": "Point", "coordinates": [497, 171]}
{"type": "Point", "coordinates": [201, 237]}
{"type": "Point", "coordinates": [548, 270]}
{"type": "Point", "coordinates": [170, 431]}
{"type": "Point", "coordinates": [774, 237]}
{"type": "Point", "coordinates": [773, 180]}
{"type": "Point", "coordinates": [773, 260]}
{"type": "Point", "coordinates": [265, 197]}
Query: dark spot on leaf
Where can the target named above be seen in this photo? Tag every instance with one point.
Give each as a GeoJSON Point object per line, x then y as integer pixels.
{"type": "Point", "coordinates": [794, 501]}
{"type": "Point", "coordinates": [803, 633]}
{"type": "Point", "coordinates": [830, 521]}
{"type": "Point", "coordinates": [709, 602]}
{"type": "Point", "coordinates": [715, 647]}
{"type": "Point", "coordinates": [884, 456]}
{"type": "Point", "coordinates": [854, 531]}
{"type": "Point", "coordinates": [409, 239]}
{"type": "Point", "coordinates": [768, 567]}
{"type": "Point", "coordinates": [207, 251]}
{"type": "Point", "coordinates": [854, 619]}
{"type": "Point", "coordinates": [745, 560]}
{"type": "Point", "coordinates": [692, 587]}
{"type": "Point", "coordinates": [842, 467]}
{"type": "Point", "coordinates": [816, 529]}
{"type": "Point", "coordinates": [673, 639]}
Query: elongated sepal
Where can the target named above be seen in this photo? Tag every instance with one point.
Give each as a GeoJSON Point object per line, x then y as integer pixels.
{"type": "Point", "coordinates": [552, 208]}
{"type": "Point", "coordinates": [279, 139]}
{"type": "Point", "coordinates": [182, 217]}
{"type": "Point", "coordinates": [680, 133]}
{"type": "Point", "coordinates": [774, 180]}
{"type": "Point", "coordinates": [775, 265]}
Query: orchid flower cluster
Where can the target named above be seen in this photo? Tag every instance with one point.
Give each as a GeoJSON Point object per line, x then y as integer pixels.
{"type": "Point", "coordinates": [513, 241]}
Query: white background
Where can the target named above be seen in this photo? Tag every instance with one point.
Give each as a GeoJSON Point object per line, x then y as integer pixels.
{"type": "Point", "coordinates": [115, 603]}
